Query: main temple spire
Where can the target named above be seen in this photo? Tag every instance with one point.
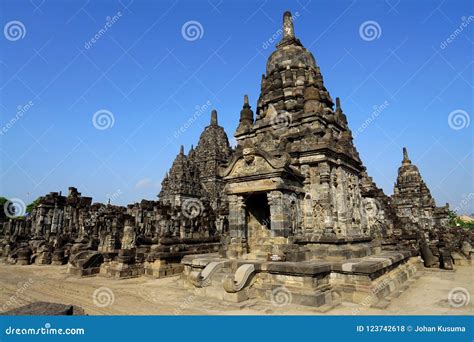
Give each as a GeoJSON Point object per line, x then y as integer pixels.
{"type": "Point", "coordinates": [288, 29]}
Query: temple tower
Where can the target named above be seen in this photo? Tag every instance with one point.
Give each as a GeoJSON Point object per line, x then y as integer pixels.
{"type": "Point", "coordinates": [212, 152]}
{"type": "Point", "coordinates": [412, 200]}
{"type": "Point", "coordinates": [181, 181]}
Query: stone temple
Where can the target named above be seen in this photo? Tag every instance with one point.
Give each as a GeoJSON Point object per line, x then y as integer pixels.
{"type": "Point", "coordinates": [289, 214]}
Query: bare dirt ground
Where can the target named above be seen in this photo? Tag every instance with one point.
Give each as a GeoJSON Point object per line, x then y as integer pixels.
{"type": "Point", "coordinates": [21, 285]}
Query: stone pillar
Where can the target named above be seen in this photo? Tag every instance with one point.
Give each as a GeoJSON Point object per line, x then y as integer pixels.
{"type": "Point", "coordinates": [237, 224]}
{"type": "Point", "coordinates": [279, 214]}
{"type": "Point", "coordinates": [326, 199]}
{"type": "Point", "coordinates": [54, 218]}
{"type": "Point", "coordinates": [237, 228]}
{"type": "Point", "coordinates": [39, 222]}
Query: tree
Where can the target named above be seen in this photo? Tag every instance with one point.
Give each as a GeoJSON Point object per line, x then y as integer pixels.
{"type": "Point", "coordinates": [32, 205]}
{"type": "Point", "coordinates": [456, 221]}
{"type": "Point", "coordinates": [3, 200]}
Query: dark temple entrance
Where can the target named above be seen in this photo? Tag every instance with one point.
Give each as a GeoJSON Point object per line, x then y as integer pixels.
{"type": "Point", "coordinates": [257, 219]}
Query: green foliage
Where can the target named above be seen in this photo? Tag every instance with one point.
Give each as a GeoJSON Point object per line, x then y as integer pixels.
{"type": "Point", "coordinates": [455, 221]}
{"type": "Point", "coordinates": [32, 205]}
{"type": "Point", "coordinates": [465, 225]}
{"type": "Point", "coordinates": [3, 200]}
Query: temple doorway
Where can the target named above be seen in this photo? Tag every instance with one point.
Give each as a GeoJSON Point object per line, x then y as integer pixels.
{"type": "Point", "coordinates": [258, 219]}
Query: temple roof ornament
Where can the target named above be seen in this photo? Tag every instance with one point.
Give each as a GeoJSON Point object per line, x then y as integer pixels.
{"type": "Point", "coordinates": [214, 117]}
{"type": "Point", "coordinates": [288, 29]}
{"type": "Point", "coordinates": [406, 160]}
{"type": "Point", "coordinates": [290, 53]}
{"type": "Point", "coordinates": [246, 118]}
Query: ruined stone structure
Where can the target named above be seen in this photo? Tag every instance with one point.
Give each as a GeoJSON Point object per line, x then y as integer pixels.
{"type": "Point", "coordinates": [150, 237]}
{"type": "Point", "coordinates": [290, 214]}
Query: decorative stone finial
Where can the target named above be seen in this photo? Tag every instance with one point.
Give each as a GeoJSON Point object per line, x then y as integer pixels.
{"type": "Point", "coordinates": [181, 150]}
{"type": "Point", "coordinates": [246, 118]}
{"type": "Point", "coordinates": [288, 29]}
{"type": "Point", "coordinates": [406, 160]}
{"type": "Point", "coordinates": [338, 103]}
{"type": "Point", "coordinates": [214, 117]}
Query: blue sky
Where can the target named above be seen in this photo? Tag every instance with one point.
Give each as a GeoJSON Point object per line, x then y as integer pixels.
{"type": "Point", "coordinates": [152, 79]}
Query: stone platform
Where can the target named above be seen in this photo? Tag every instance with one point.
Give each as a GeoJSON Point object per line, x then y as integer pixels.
{"type": "Point", "coordinates": [317, 283]}
{"type": "Point", "coordinates": [45, 309]}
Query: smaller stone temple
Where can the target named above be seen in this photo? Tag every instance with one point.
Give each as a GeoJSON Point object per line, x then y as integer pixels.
{"type": "Point", "coordinates": [412, 200]}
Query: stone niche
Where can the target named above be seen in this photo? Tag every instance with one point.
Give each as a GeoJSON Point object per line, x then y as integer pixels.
{"type": "Point", "coordinates": [264, 202]}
